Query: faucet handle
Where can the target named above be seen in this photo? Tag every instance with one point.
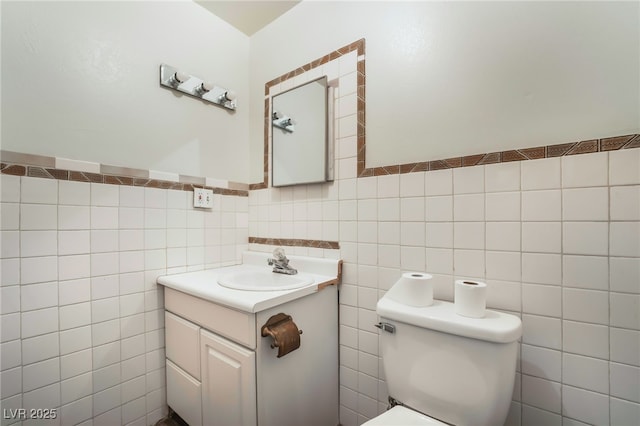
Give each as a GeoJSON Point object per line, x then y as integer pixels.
{"type": "Point", "coordinates": [278, 254]}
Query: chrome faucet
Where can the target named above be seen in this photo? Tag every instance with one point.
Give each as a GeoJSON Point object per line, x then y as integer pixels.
{"type": "Point", "coordinates": [281, 263]}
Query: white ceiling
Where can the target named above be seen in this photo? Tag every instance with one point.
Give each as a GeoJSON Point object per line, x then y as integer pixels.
{"type": "Point", "coordinates": [248, 16]}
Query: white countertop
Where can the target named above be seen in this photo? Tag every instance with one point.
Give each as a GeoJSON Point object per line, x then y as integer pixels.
{"type": "Point", "coordinates": [204, 284]}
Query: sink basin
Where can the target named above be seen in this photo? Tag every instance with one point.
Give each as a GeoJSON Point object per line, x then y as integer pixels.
{"type": "Point", "coordinates": [263, 281]}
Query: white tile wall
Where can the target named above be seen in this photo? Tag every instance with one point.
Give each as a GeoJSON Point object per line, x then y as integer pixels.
{"type": "Point", "coordinates": [82, 317]}
{"type": "Point", "coordinates": [557, 240]}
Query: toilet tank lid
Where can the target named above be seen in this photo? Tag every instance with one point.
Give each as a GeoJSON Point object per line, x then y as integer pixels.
{"type": "Point", "coordinates": [495, 327]}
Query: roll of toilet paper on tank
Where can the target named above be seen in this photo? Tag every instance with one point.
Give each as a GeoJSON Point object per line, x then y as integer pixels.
{"type": "Point", "coordinates": [413, 289]}
{"type": "Point", "coordinates": [470, 298]}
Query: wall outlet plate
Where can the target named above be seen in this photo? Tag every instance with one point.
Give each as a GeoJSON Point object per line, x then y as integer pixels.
{"type": "Point", "coordinates": [202, 198]}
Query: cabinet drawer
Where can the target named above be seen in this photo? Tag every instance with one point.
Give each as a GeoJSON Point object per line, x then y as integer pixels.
{"type": "Point", "coordinates": [184, 395]}
{"type": "Point", "coordinates": [183, 343]}
{"type": "Point", "coordinates": [235, 325]}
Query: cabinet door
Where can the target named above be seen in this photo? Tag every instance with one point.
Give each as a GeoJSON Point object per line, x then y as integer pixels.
{"type": "Point", "coordinates": [228, 374]}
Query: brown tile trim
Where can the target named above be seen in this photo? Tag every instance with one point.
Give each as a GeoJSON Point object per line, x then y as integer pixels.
{"type": "Point", "coordinates": [620, 142]}
{"type": "Point", "coordinates": [549, 151]}
{"type": "Point", "coordinates": [357, 46]}
{"type": "Point", "coordinates": [290, 242]}
{"type": "Point", "coordinates": [59, 174]}
{"type": "Point", "coordinates": [13, 169]}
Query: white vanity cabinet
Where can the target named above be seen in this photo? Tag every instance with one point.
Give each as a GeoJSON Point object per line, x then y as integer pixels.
{"type": "Point", "coordinates": [221, 371]}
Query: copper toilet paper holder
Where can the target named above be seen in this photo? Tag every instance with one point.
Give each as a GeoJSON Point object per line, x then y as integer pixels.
{"type": "Point", "coordinates": [285, 333]}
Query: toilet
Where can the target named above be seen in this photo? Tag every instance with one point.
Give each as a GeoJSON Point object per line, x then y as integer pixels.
{"type": "Point", "coordinates": [442, 368]}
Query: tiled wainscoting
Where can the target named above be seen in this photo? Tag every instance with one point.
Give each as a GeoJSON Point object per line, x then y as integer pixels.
{"type": "Point", "coordinates": [556, 239]}
{"type": "Point", "coordinates": [82, 317]}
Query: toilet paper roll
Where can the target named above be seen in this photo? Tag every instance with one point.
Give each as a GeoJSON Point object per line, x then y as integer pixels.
{"type": "Point", "coordinates": [413, 289]}
{"type": "Point", "coordinates": [470, 298]}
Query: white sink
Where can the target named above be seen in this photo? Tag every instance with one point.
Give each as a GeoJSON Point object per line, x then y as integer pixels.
{"type": "Point", "coordinates": [263, 281]}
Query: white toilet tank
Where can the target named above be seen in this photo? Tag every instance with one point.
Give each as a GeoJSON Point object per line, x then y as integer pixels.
{"type": "Point", "coordinates": [455, 369]}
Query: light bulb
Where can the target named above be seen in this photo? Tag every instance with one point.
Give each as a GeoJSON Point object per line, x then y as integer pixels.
{"type": "Point", "coordinates": [181, 77]}
{"type": "Point", "coordinates": [203, 88]}
{"type": "Point", "coordinates": [177, 78]}
{"type": "Point", "coordinates": [227, 96]}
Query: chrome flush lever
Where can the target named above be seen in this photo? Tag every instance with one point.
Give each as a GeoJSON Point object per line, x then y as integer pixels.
{"type": "Point", "coordinates": [385, 326]}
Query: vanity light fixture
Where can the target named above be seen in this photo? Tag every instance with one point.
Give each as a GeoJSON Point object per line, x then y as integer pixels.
{"type": "Point", "coordinates": [193, 86]}
{"type": "Point", "coordinates": [283, 122]}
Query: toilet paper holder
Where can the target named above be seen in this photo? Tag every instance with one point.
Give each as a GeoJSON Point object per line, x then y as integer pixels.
{"type": "Point", "coordinates": [284, 332]}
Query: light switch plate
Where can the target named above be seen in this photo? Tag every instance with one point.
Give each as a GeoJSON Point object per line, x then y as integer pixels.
{"type": "Point", "coordinates": [202, 198]}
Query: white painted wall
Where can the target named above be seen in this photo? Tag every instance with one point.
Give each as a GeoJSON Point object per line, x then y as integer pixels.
{"type": "Point", "coordinates": [80, 81]}
{"type": "Point", "coordinates": [447, 79]}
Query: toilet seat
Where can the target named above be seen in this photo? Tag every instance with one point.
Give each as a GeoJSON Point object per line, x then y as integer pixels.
{"type": "Point", "coordinates": [403, 416]}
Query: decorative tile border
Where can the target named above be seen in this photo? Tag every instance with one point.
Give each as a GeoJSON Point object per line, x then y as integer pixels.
{"type": "Point", "coordinates": [290, 242]}
{"type": "Point", "coordinates": [357, 46]}
{"type": "Point", "coordinates": [44, 167]}
{"type": "Point", "coordinates": [574, 148]}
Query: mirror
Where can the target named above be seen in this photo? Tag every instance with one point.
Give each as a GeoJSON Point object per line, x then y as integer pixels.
{"type": "Point", "coordinates": [302, 140]}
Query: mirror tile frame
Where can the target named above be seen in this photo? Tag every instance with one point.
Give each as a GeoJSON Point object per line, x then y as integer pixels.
{"type": "Point", "coordinates": [273, 87]}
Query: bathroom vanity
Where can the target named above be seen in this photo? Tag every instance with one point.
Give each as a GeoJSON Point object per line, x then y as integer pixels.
{"type": "Point", "coordinates": [223, 364]}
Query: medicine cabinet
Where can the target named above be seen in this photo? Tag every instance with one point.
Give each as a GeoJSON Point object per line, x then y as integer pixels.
{"type": "Point", "coordinates": [302, 134]}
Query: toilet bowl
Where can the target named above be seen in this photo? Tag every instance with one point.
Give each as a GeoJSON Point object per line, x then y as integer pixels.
{"type": "Point", "coordinates": [446, 369]}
